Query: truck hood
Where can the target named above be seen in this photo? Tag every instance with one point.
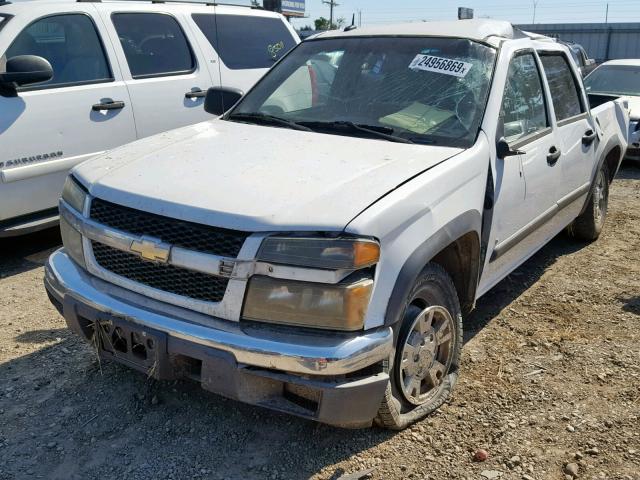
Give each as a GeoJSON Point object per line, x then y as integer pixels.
{"type": "Point", "coordinates": [255, 178]}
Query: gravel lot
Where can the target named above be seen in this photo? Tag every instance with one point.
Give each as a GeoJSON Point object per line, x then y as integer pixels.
{"type": "Point", "coordinates": [550, 387]}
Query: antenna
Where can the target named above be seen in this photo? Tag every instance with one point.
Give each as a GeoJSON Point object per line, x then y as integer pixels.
{"type": "Point", "coordinates": [353, 24]}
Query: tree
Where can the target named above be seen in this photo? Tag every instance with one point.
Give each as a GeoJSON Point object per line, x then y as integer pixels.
{"type": "Point", "coordinates": [323, 23]}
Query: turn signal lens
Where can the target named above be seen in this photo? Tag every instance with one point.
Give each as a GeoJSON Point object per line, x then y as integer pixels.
{"type": "Point", "coordinates": [328, 253]}
{"type": "Point", "coordinates": [72, 241]}
{"type": "Point", "coordinates": [365, 253]}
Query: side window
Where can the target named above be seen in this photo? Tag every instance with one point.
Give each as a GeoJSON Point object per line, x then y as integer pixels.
{"type": "Point", "coordinates": [70, 43]}
{"type": "Point", "coordinates": [524, 111]}
{"type": "Point", "coordinates": [154, 44]}
{"type": "Point", "coordinates": [245, 42]}
{"type": "Point", "coordinates": [563, 86]}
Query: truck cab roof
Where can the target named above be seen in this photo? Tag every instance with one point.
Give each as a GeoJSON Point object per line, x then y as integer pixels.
{"type": "Point", "coordinates": [479, 30]}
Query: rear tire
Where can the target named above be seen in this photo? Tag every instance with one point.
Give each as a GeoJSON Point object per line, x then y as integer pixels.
{"type": "Point", "coordinates": [589, 224]}
{"type": "Point", "coordinates": [424, 369]}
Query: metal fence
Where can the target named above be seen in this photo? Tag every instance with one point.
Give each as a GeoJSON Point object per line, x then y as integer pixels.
{"type": "Point", "coordinates": [602, 41]}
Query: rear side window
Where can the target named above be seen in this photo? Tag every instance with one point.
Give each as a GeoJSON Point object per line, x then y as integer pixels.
{"type": "Point", "coordinates": [70, 43]}
{"type": "Point", "coordinates": [245, 42]}
{"type": "Point", "coordinates": [154, 44]}
{"type": "Point", "coordinates": [524, 110]}
{"type": "Point", "coordinates": [563, 86]}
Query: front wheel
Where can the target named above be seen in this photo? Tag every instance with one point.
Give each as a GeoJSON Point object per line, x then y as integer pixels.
{"type": "Point", "coordinates": [424, 369]}
{"type": "Point", "coordinates": [589, 224]}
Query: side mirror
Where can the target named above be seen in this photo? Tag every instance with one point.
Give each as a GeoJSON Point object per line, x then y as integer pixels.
{"type": "Point", "coordinates": [25, 70]}
{"type": "Point", "coordinates": [503, 150]}
{"type": "Point", "coordinates": [221, 99]}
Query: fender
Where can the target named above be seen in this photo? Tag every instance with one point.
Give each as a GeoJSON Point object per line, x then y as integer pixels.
{"type": "Point", "coordinates": [468, 222]}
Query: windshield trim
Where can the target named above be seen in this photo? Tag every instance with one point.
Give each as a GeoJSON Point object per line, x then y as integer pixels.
{"type": "Point", "coordinates": [497, 50]}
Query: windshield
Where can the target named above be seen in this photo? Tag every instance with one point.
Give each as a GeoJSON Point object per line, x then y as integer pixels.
{"type": "Point", "coordinates": [420, 90]}
{"type": "Point", "coordinates": [616, 79]}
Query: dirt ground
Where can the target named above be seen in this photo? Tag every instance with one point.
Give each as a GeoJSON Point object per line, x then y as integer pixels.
{"type": "Point", "coordinates": [550, 377]}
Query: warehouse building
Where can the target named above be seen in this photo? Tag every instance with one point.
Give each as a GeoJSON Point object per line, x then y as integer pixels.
{"type": "Point", "coordinates": [602, 41]}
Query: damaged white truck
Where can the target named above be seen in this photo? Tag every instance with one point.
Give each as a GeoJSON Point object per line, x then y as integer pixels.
{"type": "Point", "coordinates": [314, 249]}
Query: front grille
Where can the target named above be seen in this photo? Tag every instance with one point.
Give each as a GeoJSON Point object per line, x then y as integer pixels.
{"type": "Point", "coordinates": [169, 278]}
{"type": "Point", "coordinates": [193, 236]}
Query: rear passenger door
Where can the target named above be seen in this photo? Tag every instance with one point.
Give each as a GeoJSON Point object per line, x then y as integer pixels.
{"type": "Point", "coordinates": [248, 45]}
{"type": "Point", "coordinates": [575, 133]}
{"type": "Point", "coordinates": [167, 82]}
{"type": "Point", "coordinates": [49, 127]}
{"type": "Point", "coordinates": [525, 183]}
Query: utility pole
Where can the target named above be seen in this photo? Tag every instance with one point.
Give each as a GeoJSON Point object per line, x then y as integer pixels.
{"type": "Point", "coordinates": [359, 18]}
{"type": "Point", "coordinates": [606, 15]}
{"type": "Point", "coordinates": [535, 5]}
{"type": "Point", "coordinates": [331, 3]}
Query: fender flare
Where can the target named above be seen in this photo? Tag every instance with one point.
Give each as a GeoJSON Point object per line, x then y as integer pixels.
{"type": "Point", "coordinates": [468, 222]}
{"type": "Point", "coordinates": [609, 146]}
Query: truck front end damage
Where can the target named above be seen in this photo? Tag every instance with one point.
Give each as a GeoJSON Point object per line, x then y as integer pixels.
{"type": "Point", "coordinates": [287, 337]}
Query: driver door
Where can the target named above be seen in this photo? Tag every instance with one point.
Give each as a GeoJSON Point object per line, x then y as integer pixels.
{"type": "Point", "coordinates": [49, 127]}
{"type": "Point", "coordinates": [526, 182]}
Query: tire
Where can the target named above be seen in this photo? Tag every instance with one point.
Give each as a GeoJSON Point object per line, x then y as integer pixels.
{"type": "Point", "coordinates": [589, 224]}
{"type": "Point", "coordinates": [432, 312]}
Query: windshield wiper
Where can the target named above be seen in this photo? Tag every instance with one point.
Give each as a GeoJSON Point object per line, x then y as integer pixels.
{"type": "Point", "coordinates": [385, 133]}
{"type": "Point", "coordinates": [263, 118]}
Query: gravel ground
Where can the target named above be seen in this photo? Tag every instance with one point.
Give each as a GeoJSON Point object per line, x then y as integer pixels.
{"type": "Point", "coordinates": [549, 389]}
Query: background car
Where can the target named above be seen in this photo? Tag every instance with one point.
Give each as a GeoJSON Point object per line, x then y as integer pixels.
{"type": "Point", "coordinates": [113, 72]}
{"type": "Point", "coordinates": [621, 78]}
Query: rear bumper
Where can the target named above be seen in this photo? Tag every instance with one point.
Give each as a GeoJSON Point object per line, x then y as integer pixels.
{"type": "Point", "coordinates": [330, 377]}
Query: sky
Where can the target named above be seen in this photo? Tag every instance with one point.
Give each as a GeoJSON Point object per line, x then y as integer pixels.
{"type": "Point", "coordinates": [375, 12]}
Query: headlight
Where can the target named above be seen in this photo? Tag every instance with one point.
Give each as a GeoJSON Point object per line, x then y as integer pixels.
{"type": "Point", "coordinates": [72, 241]}
{"type": "Point", "coordinates": [74, 194]}
{"type": "Point", "coordinates": [328, 253]}
{"type": "Point", "coordinates": [316, 305]}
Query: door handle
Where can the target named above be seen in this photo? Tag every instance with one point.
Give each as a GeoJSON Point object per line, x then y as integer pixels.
{"type": "Point", "coordinates": [112, 105]}
{"type": "Point", "coordinates": [554, 155]}
{"type": "Point", "coordinates": [589, 137]}
{"type": "Point", "coordinates": [195, 94]}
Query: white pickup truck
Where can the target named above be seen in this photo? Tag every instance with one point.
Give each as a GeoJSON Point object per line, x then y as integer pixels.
{"type": "Point", "coordinates": [314, 249]}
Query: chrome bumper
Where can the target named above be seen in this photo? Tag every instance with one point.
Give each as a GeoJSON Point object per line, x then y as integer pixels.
{"type": "Point", "coordinates": [306, 353]}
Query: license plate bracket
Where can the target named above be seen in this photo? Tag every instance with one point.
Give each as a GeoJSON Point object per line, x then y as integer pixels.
{"type": "Point", "coordinates": [134, 345]}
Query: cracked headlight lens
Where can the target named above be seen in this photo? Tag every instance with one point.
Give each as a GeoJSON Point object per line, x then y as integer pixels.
{"type": "Point", "coordinates": [74, 194]}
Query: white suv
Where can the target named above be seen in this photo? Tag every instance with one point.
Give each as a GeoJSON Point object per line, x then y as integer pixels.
{"type": "Point", "coordinates": [114, 72]}
{"type": "Point", "coordinates": [314, 249]}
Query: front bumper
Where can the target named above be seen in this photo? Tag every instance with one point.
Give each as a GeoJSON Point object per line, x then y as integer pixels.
{"type": "Point", "coordinates": [334, 378]}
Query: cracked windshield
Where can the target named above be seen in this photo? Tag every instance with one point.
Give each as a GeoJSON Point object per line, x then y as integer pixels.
{"type": "Point", "coordinates": [411, 90]}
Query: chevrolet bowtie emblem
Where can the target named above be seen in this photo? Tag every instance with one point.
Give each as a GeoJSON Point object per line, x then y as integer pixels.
{"type": "Point", "coordinates": [151, 249]}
